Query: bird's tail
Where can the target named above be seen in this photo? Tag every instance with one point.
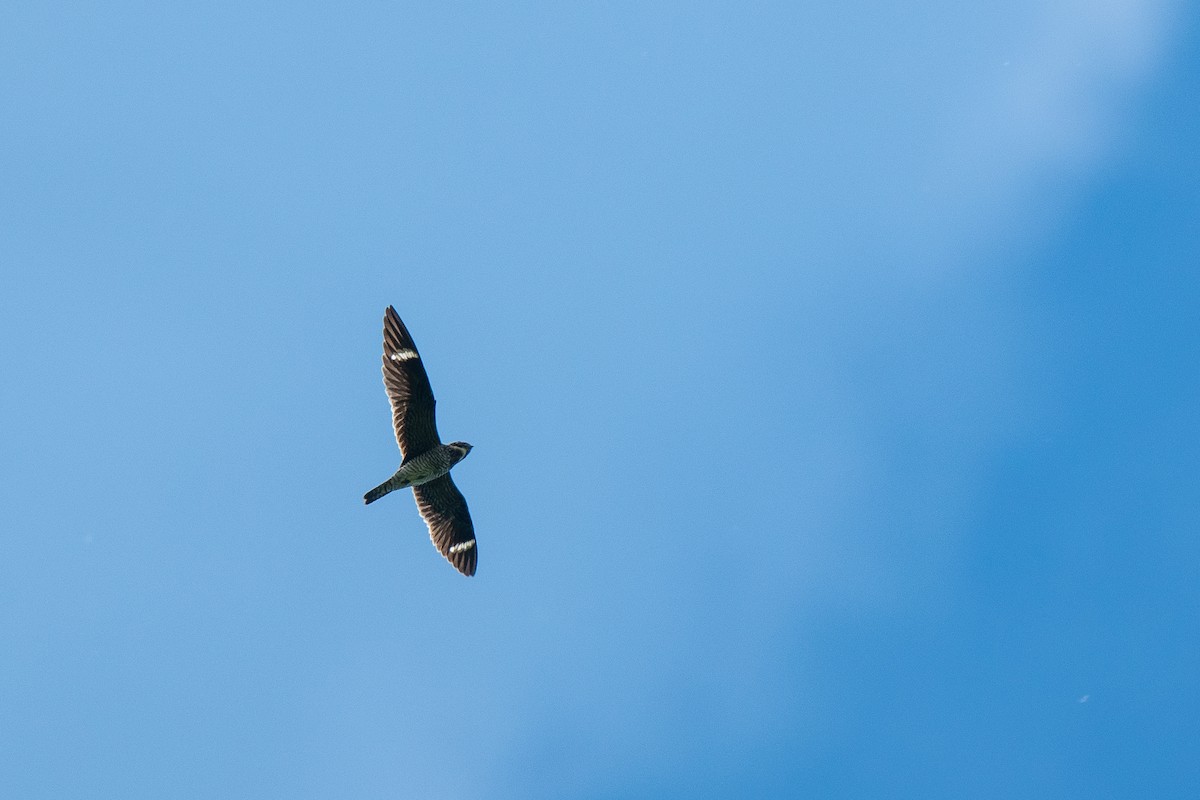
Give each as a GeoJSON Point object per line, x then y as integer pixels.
{"type": "Point", "coordinates": [391, 484]}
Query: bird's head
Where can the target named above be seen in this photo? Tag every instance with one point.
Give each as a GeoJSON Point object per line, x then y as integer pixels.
{"type": "Point", "coordinates": [461, 447]}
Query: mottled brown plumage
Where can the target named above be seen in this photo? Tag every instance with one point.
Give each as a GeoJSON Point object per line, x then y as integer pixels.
{"type": "Point", "coordinates": [426, 461]}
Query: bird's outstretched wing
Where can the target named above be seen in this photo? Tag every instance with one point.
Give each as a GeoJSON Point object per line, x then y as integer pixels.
{"type": "Point", "coordinates": [408, 388]}
{"type": "Point", "coordinates": [444, 510]}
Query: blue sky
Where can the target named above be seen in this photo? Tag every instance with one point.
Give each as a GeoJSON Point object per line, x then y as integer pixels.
{"type": "Point", "coordinates": [831, 373]}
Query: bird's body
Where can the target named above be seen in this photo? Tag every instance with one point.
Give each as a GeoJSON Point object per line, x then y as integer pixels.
{"type": "Point", "coordinates": [427, 462]}
{"type": "Point", "coordinates": [421, 469]}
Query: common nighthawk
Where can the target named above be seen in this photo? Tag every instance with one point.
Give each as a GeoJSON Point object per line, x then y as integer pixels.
{"type": "Point", "coordinates": [426, 461]}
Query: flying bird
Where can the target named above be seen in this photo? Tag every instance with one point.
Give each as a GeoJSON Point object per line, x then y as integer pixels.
{"type": "Point", "coordinates": [426, 461]}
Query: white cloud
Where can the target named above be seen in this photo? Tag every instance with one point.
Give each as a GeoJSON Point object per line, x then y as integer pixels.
{"type": "Point", "coordinates": [1053, 110]}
